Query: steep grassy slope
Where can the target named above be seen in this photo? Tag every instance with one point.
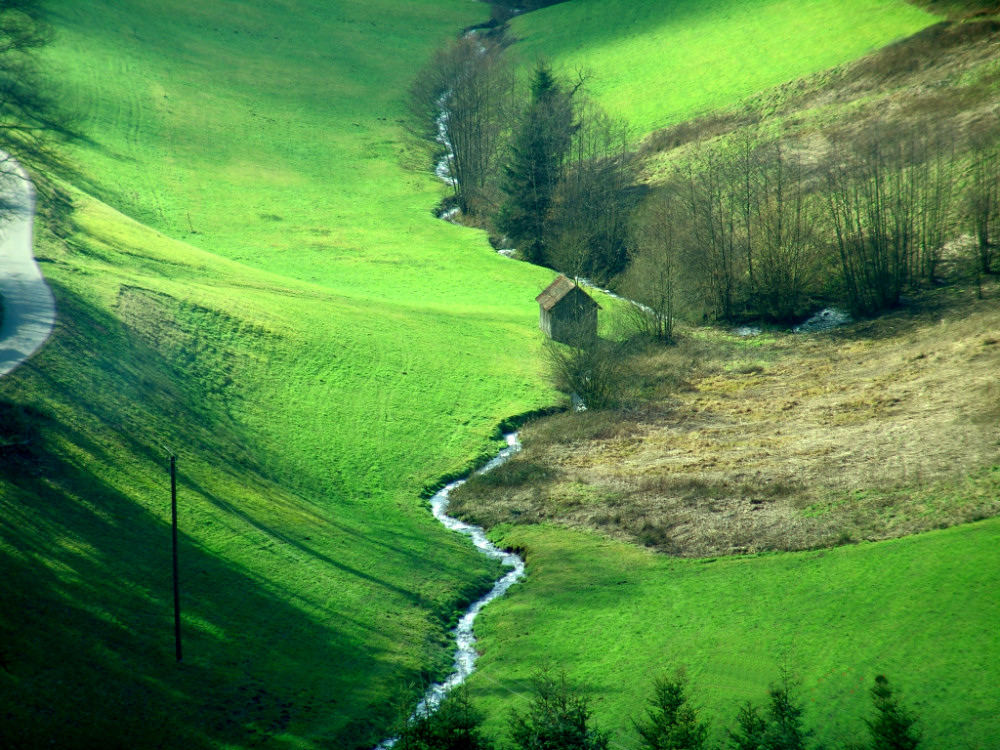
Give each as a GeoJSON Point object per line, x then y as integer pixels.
{"type": "Point", "coordinates": [269, 133]}
{"type": "Point", "coordinates": [659, 63]}
{"type": "Point", "coordinates": [309, 599]}
{"type": "Point", "coordinates": [373, 349]}
{"type": "Point", "coordinates": [942, 81]}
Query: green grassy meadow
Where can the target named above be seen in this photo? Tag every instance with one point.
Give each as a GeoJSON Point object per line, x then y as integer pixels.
{"type": "Point", "coordinates": [314, 582]}
{"type": "Point", "coordinates": [656, 64]}
{"type": "Point", "coordinates": [920, 610]}
{"type": "Point", "coordinates": [254, 278]}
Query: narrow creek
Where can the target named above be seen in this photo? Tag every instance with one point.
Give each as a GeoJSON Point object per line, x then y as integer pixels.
{"type": "Point", "coordinates": [464, 662]}
{"type": "Point", "coordinates": [465, 654]}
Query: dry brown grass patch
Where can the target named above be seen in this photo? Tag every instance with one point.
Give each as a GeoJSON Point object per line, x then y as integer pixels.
{"type": "Point", "coordinates": [885, 428]}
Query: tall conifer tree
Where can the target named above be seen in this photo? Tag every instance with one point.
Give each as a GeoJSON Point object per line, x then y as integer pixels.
{"type": "Point", "coordinates": [538, 151]}
{"type": "Point", "coordinates": [891, 726]}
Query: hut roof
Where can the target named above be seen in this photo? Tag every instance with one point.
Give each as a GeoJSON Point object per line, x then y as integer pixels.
{"type": "Point", "coordinates": [556, 291]}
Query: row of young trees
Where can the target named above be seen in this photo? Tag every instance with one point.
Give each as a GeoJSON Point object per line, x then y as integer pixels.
{"type": "Point", "coordinates": [558, 717]}
{"type": "Point", "coordinates": [543, 167]}
{"type": "Point", "coordinates": [754, 230]}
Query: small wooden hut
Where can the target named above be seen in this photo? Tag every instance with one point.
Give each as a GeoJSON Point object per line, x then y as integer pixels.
{"type": "Point", "coordinates": [566, 313]}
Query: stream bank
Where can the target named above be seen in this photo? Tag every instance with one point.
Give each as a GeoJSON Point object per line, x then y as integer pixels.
{"type": "Point", "coordinates": [464, 661]}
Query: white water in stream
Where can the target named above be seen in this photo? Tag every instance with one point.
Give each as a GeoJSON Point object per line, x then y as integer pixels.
{"type": "Point", "coordinates": [465, 653]}
{"type": "Point", "coordinates": [443, 169]}
{"type": "Point", "coordinates": [465, 642]}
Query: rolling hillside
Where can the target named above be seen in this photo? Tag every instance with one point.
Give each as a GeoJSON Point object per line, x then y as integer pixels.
{"type": "Point", "coordinates": [255, 281]}
{"type": "Point", "coordinates": [656, 64]}
{"type": "Point", "coordinates": [917, 609]}
{"type": "Point", "coordinates": [253, 278]}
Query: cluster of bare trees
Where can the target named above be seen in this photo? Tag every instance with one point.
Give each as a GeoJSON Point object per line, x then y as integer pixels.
{"type": "Point", "coordinates": [744, 227]}
{"type": "Point", "coordinates": [595, 199]}
{"type": "Point", "coordinates": [889, 205]}
{"type": "Point", "coordinates": [544, 168]}
{"type": "Point", "coordinates": [751, 229]}
{"type": "Point", "coordinates": [466, 99]}
{"type": "Point", "coordinates": [731, 232]}
{"type": "Point", "coordinates": [654, 275]}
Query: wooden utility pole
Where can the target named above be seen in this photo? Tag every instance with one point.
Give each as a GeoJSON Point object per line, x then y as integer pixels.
{"type": "Point", "coordinates": [177, 588]}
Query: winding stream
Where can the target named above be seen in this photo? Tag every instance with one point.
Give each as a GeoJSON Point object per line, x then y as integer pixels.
{"type": "Point", "coordinates": [442, 169]}
{"type": "Point", "coordinates": [465, 654]}
{"type": "Point", "coordinates": [465, 641]}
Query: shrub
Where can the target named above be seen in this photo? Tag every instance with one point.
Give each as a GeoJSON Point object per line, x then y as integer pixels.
{"type": "Point", "coordinates": [750, 731]}
{"type": "Point", "coordinates": [891, 727]}
{"type": "Point", "coordinates": [780, 729]}
{"type": "Point", "coordinates": [671, 723]}
{"type": "Point", "coordinates": [596, 371]}
{"type": "Point", "coordinates": [557, 719]}
{"type": "Point", "coordinates": [454, 726]}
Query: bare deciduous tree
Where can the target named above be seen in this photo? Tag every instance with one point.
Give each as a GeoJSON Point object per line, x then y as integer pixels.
{"type": "Point", "coordinates": [866, 208]}
{"type": "Point", "coordinates": [982, 196]}
{"type": "Point", "coordinates": [653, 279]}
{"type": "Point", "coordinates": [709, 203]}
{"type": "Point", "coordinates": [889, 201]}
{"type": "Point", "coordinates": [592, 368]}
{"type": "Point", "coordinates": [593, 203]}
{"type": "Point", "coordinates": [780, 232]}
{"type": "Point", "coordinates": [465, 97]}
{"type": "Point", "coordinates": [934, 177]}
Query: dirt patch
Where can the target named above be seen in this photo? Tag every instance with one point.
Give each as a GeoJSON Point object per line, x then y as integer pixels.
{"type": "Point", "coordinates": [881, 429]}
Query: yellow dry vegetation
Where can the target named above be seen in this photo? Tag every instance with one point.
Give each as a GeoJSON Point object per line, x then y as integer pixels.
{"type": "Point", "coordinates": [880, 429]}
